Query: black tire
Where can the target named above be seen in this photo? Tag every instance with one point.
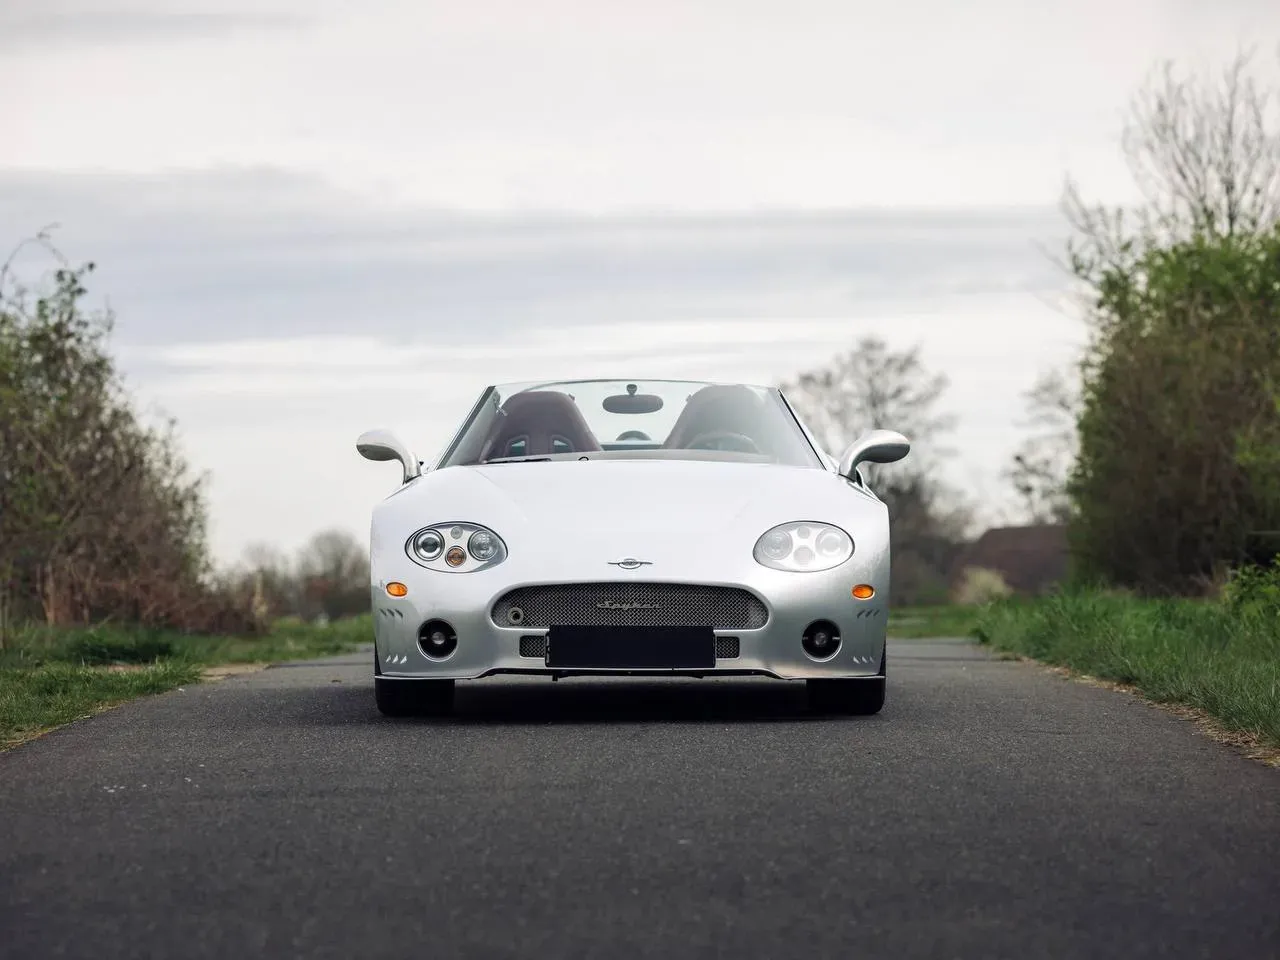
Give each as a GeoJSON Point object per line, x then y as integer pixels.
{"type": "Point", "coordinates": [413, 698]}
{"type": "Point", "coordinates": [849, 695]}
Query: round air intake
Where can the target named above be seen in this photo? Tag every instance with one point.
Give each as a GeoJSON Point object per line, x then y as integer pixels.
{"type": "Point", "coordinates": [437, 639]}
{"type": "Point", "coordinates": [821, 640]}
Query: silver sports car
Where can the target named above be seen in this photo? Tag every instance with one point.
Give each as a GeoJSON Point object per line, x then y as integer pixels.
{"type": "Point", "coordinates": [652, 527]}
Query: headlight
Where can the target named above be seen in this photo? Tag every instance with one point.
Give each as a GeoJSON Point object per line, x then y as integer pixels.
{"type": "Point", "coordinates": [804, 546]}
{"type": "Point", "coordinates": [455, 547]}
{"type": "Point", "coordinates": [483, 545]}
{"type": "Point", "coordinates": [428, 545]}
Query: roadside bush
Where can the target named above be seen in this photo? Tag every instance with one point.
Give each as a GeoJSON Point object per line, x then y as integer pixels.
{"type": "Point", "coordinates": [100, 518]}
{"type": "Point", "coordinates": [1253, 588]}
{"type": "Point", "coordinates": [1178, 409]}
{"type": "Point", "coordinates": [1179, 420]}
{"type": "Point", "coordinates": [979, 586]}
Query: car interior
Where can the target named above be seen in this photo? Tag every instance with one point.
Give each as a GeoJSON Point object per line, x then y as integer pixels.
{"type": "Point", "coordinates": [539, 423]}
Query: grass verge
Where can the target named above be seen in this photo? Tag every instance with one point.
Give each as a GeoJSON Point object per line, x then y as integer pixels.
{"type": "Point", "coordinates": [914, 623]}
{"type": "Point", "coordinates": [1219, 666]}
{"type": "Point", "coordinates": [51, 677]}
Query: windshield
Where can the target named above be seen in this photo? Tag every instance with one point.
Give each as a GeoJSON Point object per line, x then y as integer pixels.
{"type": "Point", "coordinates": [631, 419]}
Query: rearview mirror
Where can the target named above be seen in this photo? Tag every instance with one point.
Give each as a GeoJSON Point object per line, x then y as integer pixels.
{"type": "Point", "coordinates": [876, 446]}
{"type": "Point", "coordinates": [385, 445]}
{"type": "Point", "coordinates": [632, 402]}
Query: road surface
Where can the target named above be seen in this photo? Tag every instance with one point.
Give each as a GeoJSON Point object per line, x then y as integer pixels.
{"type": "Point", "coordinates": [992, 810]}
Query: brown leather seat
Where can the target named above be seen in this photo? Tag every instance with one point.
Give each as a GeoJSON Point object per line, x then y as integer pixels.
{"type": "Point", "coordinates": [720, 408]}
{"type": "Point", "coordinates": [539, 418]}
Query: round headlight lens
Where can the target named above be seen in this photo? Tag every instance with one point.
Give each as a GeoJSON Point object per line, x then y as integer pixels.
{"type": "Point", "coordinates": [776, 545]}
{"type": "Point", "coordinates": [483, 545]}
{"type": "Point", "coordinates": [832, 543]}
{"type": "Point", "coordinates": [428, 544]}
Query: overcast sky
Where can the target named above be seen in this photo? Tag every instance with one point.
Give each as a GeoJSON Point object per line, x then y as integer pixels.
{"type": "Point", "coordinates": [317, 217]}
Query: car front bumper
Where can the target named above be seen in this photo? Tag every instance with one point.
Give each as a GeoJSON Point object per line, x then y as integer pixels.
{"type": "Point", "coordinates": [793, 602]}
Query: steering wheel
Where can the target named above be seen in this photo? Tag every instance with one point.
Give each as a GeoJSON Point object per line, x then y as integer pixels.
{"type": "Point", "coordinates": [744, 443]}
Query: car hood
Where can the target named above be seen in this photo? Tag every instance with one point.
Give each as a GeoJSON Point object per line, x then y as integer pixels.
{"type": "Point", "coordinates": [611, 509]}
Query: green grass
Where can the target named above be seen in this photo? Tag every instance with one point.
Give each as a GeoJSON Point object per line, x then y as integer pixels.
{"type": "Point", "coordinates": [913, 623]}
{"type": "Point", "coordinates": [51, 677]}
{"type": "Point", "coordinates": [1200, 654]}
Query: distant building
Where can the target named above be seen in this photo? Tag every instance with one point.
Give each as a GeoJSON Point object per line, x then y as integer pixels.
{"type": "Point", "coordinates": [1031, 559]}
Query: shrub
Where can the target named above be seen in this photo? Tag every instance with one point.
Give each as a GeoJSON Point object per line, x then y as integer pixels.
{"type": "Point", "coordinates": [980, 585]}
{"type": "Point", "coordinates": [1179, 420]}
{"type": "Point", "coordinates": [100, 518]}
{"type": "Point", "coordinates": [1253, 587]}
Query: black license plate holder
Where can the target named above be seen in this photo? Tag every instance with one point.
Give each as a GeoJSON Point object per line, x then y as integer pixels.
{"type": "Point", "coordinates": [631, 648]}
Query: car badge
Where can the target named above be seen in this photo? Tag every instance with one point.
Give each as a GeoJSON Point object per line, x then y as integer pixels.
{"type": "Point", "coordinates": [630, 563]}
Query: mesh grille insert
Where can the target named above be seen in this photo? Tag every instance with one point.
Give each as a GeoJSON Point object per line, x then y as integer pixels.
{"type": "Point", "coordinates": [630, 604]}
{"type": "Point", "coordinates": [533, 647]}
{"type": "Point", "coordinates": [726, 648]}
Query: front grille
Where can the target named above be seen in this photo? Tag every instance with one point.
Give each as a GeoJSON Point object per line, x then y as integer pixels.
{"type": "Point", "coordinates": [630, 605]}
{"type": "Point", "coordinates": [727, 648]}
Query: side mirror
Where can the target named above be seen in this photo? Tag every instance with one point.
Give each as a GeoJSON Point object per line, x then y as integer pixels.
{"type": "Point", "coordinates": [385, 445]}
{"type": "Point", "coordinates": [877, 446]}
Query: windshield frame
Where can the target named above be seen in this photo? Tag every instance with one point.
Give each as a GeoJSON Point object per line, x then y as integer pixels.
{"type": "Point", "coordinates": [493, 395]}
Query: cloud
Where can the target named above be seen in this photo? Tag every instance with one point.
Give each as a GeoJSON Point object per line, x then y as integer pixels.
{"type": "Point", "coordinates": [83, 24]}
{"type": "Point", "coordinates": [258, 253]}
{"type": "Point", "coordinates": [496, 104]}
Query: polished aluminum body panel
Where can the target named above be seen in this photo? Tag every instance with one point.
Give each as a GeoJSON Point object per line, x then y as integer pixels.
{"type": "Point", "coordinates": [575, 522]}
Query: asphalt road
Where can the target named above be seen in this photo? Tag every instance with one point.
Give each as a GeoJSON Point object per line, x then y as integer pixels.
{"type": "Point", "coordinates": [992, 810]}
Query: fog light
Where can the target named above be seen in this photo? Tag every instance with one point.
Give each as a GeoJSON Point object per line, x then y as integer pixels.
{"type": "Point", "coordinates": [437, 639]}
{"type": "Point", "coordinates": [864, 591]}
{"type": "Point", "coordinates": [821, 640]}
{"type": "Point", "coordinates": [397, 589]}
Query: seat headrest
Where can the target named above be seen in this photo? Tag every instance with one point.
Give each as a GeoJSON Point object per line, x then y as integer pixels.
{"type": "Point", "coordinates": [718, 407]}
{"type": "Point", "coordinates": [540, 417]}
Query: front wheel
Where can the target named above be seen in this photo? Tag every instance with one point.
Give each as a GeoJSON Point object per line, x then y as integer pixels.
{"type": "Point", "coordinates": [413, 698]}
{"type": "Point", "coordinates": [850, 695]}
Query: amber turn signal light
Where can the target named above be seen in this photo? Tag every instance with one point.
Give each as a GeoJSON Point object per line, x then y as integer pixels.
{"type": "Point", "coordinates": [455, 557]}
{"type": "Point", "coordinates": [864, 591]}
{"type": "Point", "coordinates": [397, 589]}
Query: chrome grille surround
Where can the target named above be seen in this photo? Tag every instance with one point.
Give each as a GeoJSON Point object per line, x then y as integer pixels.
{"type": "Point", "coordinates": [633, 604]}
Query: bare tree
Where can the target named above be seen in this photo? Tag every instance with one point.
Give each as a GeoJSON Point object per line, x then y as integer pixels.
{"type": "Point", "coordinates": [1042, 464]}
{"type": "Point", "coordinates": [1204, 156]}
{"type": "Point", "coordinates": [1206, 159]}
{"type": "Point", "coordinates": [873, 387]}
{"type": "Point", "coordinates": [334, 569]}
